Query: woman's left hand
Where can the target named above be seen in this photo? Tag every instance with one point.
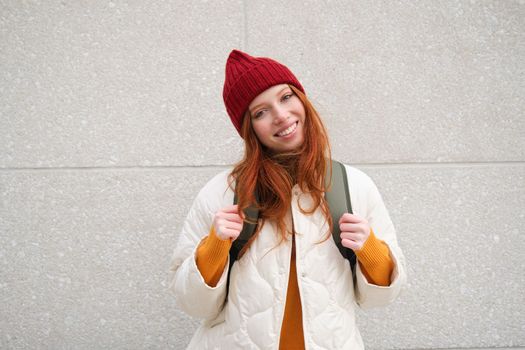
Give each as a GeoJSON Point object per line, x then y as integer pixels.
{"type": "Point", "coordinates": [355, 230]}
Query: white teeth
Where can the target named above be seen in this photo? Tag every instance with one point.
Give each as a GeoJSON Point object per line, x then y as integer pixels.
{"type": "Point", "coordinates": [288, 131]}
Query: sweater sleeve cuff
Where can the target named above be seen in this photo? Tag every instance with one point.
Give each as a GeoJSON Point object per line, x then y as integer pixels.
{"type": "Point", "coordinates": [213, 251]}
{"type": "Point", "coordinates": [374, 252]}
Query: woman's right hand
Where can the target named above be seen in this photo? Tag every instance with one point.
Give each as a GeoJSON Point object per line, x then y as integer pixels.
{"type": "Point", "coordinates": [228, 223]}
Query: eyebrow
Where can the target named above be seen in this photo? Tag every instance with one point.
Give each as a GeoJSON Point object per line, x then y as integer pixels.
{"type": "Point", "coordinates": [257, 106]}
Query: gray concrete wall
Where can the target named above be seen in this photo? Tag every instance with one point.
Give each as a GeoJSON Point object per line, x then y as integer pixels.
{"type": "Point", "coordinates": [111, 119]}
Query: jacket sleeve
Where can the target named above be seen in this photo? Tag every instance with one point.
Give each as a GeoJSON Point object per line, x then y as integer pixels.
{"type": "Point", "coordinates": [370, 295]}
{"type": "Point", "coordinates": [192, 294]}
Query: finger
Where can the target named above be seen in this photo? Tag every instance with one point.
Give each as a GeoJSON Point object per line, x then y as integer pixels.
{"type": "Point", "coordinates": [230, 209]}
{"type": "Point", "coordinates": [231, 233]}
{"type": "Point", "coordinates": [350, 244]}
{"type": "Point", "coordinates": [350, 227]}
{"type": "Point", "coordinates": [231, 217]}
{"type": "Point", "coordinates": [350, 218]}
{"type": "Point", "coordinates": [231, 225]}
{"type": "Point", "coordinates": [222, 225]}
{"type": "Point", "coordinates": [353, 236]}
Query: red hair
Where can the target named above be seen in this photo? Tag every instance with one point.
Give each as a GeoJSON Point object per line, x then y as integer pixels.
{"type": "Point", "coordinates": [272, 175]}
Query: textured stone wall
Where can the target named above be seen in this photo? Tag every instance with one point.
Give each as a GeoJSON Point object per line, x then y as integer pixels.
{"type": "Point", "coordinates": [111, 119]}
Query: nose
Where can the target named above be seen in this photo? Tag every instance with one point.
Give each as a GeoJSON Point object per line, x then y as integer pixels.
{"type": "Point", "coordinates": [280, 115]}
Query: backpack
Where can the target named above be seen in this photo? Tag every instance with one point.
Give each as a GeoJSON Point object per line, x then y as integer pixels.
{"type": "Point", "coordinates": [338, 199]}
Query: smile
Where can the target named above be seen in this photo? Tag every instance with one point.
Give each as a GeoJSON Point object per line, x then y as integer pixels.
{"type": "Point", "coordinates": [288, 130]}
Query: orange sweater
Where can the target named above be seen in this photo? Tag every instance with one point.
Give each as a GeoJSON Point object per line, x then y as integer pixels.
{"type": "Point", "coordinates": [374, 259]}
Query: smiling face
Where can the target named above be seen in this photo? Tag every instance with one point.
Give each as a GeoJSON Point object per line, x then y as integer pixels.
{"type": "Point", "coordinates": [277, 117]}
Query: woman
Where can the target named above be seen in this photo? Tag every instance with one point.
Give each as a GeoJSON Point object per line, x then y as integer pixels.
{"type": "Point", "coordinates": [290, 288]}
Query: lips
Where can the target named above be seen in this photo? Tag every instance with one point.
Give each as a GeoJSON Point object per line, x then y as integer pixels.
{"type": "Point", "coordinates": [287, 131]}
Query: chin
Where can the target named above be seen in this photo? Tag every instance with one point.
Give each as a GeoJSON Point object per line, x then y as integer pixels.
{"type": "Point", "coordinates": [289, 148]}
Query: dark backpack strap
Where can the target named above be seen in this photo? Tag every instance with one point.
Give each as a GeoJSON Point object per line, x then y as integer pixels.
{"type": "Point", "coordinates": [338, 199]}
{"type": "Point", "coordinates": [252, 214]}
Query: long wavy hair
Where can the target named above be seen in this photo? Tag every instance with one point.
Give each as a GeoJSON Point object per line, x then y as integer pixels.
{"type": "Point", "coordinates": [272, 175]}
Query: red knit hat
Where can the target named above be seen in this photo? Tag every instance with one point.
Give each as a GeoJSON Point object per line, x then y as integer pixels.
{"type": "Point", "coordinates": [247, 77]}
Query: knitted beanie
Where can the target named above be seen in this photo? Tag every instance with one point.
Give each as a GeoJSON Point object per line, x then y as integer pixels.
{"type": "Point", "coordinates": [246, 77]}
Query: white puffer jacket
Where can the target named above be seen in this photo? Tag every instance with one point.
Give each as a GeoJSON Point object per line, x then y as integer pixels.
{"type": "Point", "coordinates": [252, 316]}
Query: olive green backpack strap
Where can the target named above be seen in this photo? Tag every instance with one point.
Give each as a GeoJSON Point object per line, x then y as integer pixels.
{"type": "Point", "coordinates": [248, 229]}
{"type": "Point", "coordinates": [338, 198]}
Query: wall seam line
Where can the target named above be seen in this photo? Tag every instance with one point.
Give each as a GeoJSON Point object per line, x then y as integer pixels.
{"type": "Point", "coordinates": [226, 166]}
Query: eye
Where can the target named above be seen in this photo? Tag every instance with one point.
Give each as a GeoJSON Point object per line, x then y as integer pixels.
{"type": "Point", "coordinates": [287, 97]}
{"type": "Point", "coordinates": [258, 114]}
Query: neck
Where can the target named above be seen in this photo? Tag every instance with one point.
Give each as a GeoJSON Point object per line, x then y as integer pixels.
{"type": "Point", "coordinates": [289, 161]}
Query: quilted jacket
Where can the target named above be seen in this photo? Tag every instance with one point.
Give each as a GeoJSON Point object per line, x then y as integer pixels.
{"type": "Point", "coordinates": [251, 317]}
